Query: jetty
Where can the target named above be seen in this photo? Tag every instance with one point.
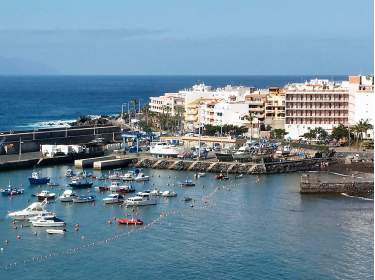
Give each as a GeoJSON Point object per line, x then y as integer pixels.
{"type": "Point", "coordinates": [334, 183]}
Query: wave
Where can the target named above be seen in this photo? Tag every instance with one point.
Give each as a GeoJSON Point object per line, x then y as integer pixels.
{"type": "Point", "coordinates": [359, 197]}
{"type": "Point", "coordinates": [49, 124]}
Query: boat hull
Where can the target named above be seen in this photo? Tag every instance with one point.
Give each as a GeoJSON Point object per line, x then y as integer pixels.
{"type": "Point", "coordinates": [81, 186]}
{"type": "Point", "coordinates": [40, 181]}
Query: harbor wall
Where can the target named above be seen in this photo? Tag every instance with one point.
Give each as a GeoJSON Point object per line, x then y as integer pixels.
{"type": "Point", "coordinates": [231, 167]}
{"type": "Point", "coordinates": [31, 140]}
{"type": "Point", "coordinates": [308, 186]}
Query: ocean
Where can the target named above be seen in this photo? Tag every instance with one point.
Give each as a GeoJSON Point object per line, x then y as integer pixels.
{"type": "Point", "coordinates": [30, 102]}
{"type": "Point", "coordinates": [247, 228]}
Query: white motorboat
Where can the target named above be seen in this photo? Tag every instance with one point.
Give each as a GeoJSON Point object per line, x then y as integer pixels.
{"type": "Point", "coordinates": [201, 174]}
{"type": "Point", "coordinates": [142, 199]}
{"type": "Point", "coordinates": [116, 186]}
{"type": "Point", "coordinates": [48, 222]}
{"type": "Point", "coordinates": [129, 176]}
{"type": "Point", "coordinates": [141, 177]}
{"type": "Point", "coordinates": [83, 199]}
{"type": "Point", "coordinates": [155, 192]}
{"type": "Point", "coordinates": [115, 176]}
{"type": "Point", "coordinates": [169, 194]}
{"type": "Point", "coordinates": [56, 231]}
{"type": "Point", "coordinates": [32, 210]}
{"type": "Point", "coordinates": [45, 195]}
{"type": "Point", "coordinates": [67, 196]}
{"type": "Point", "coordinates": [113, 198]}
{"type": "Point", "coordinates": [43, 215]}
{"type": "Point", "coordinates": [164, 149]}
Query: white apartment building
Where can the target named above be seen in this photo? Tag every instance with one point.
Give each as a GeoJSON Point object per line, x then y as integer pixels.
{"type": "Point", "coordinates": [326, 104]}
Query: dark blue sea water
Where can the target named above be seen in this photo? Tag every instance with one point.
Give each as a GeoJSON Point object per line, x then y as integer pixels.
{"type": "Point", "coordinates": [238, 229]}
{"type": "Point", "coordinates": [29, 102]}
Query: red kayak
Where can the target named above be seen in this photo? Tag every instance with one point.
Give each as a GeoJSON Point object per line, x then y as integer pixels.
{"type": "Point", "coordinates": [125, 221]}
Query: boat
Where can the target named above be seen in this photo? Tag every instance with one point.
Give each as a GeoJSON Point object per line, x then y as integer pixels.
{"type": "Point", "coordinates": [102, 188]}
{"type": "Point", "coordinates": [10, 191]}
{"type": "Point", "coordinates": [187, 183]}
{"type": "Point", "coordinates": [113, 198]}
{"type": "Point", "coordinates": [45, 221]}
{"type": "Point", "coordinates": [43, 215]}
{"type": "Point", "coordinates": [56, 231]}
{"type": "Point", "coordinates": [165, 149]}
{"type": "Point", "coordinates": [283, 151]}
{"type": "Point", "coordinates": [201, 174]}
{"type": "Point", "coordinates": [142, 199]}
{"type": "Point", "coordinates": [169, 194]}
{"type": "Point", "coordinates": [84, 198]}
{"type": "Point", "coordinates": [132, 221]}
{"type": "Point", "coordinates": [45, 195]}
{"type": "Point", "coordinates": [34, 209]}
{"type": "Point", "coordinates": [36, 179]}
{"type": "Point", "coordinates": [69, 173]}
{"type": "Point", "coordinates": [52, 184]}
{"type": "Point", "coordinates": [187, 199]}
{"type": "Point", "coordinates": [155, 192]}
{"type": "Point", "coordinates": [80, 183]}
{"type": "Point", "coordinates": [221, 176]}
{"type": "Point", "coordinates": [141, 177]}
{"type": "Point", "coordinates": [67, 196]}
{"type": "Point", "coordinates": [125, 189]}
{"type": "Point", "coordinates": [224, 155]}
{"type": "Point", "coordinates": [129, 176]}
{"type": "Point", "coordinates": [115, 176]}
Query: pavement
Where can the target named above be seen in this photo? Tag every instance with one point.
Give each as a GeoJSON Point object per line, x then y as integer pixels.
{"type": "Point", "coordinates": [15, 157]}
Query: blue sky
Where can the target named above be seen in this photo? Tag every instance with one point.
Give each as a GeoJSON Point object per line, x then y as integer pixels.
{"type": "Point", "coordinates": [168, 37]}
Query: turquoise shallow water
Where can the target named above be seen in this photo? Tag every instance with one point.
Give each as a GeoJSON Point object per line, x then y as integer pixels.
{"type": "Point", "coordinates": [239, 229]}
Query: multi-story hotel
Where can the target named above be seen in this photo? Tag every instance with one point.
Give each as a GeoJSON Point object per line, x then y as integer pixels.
{"type": "Point", "coordinates": [324, 103]}
{"type": "Point", "coordinates": [167, 103]}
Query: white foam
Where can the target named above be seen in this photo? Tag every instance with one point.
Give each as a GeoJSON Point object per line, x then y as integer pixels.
{"type": "Point", "coordinates": [50, 124]}
{"type": "Point", "coordinates": [359, 197]}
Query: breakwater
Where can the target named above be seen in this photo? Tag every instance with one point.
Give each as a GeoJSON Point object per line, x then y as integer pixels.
{"type": "Point", "coordinates": [232, 167]}
{"type": "Point", "coordinates": [40, 161]}
{"type": "Point", "coordinates": [311, 184]}
{"type": "Point", "coordinates": [31, 140]}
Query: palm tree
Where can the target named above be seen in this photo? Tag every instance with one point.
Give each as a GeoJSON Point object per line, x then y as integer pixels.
{"type": "Point", "coordinates": [250, 118]}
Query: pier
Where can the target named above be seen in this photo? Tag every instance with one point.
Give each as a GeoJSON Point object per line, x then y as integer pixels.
{"type": "Point", "coordinates": [89, 162]}
{"type": "Point", "coordinates": [334, 183]}
{"type": "Point", "coordinates": [119, 162]}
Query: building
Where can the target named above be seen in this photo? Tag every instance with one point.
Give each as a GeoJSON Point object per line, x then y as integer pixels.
{"type": "Point", "coordinates": [316, 103]}
{"type": "Point", "coordinates": [275, 109]}
{"type": "Point", "coordinates": [169, 103]}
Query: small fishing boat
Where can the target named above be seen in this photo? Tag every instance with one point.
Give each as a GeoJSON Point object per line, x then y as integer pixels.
{"type": "Point", "coordinates": [187, 199]}
{"type": "Point", "coordinates": [52, 184]}
{"type": "Point", "coordinates": [141, 177]}
{"type": "Point", "coordinates": [45, 221]}
{"type": "Point", "coordinates": [169, 194]}
{"type": "Point", "coordinates": [187, 183]}
{"type": "Point", "coordinates": [10, 191]}
{"type": "Point", "coordinates": [132, 221]}
{"type": "Point", "coordinates": [201, 174]}
{"type": "Point", "coordinates": [69, 173]}
{"type": "Point", "coordinates": [67, 196]}
{"type": "Point", "coordinates": [125, 189]}
{"type": "Point", "coordinates": [102, 188]}
{"type": "Point", "coordinates": [56, 231]}
{"type": "Point", "coordinates": [34, 209]}
{"type": "Point", "coordinates": [45, 195]}
{"type": "Point", "coordinates": [221, 176]}
{"type": "Point", "coordinates": [83, 199]}
{"type": "Point", "coordinates": [113, 198]}
{"type": "Point", "coordinates": [78, 183]}
{"type": "Point", "coordinates": [37, 179]}
{"type": "Point", "coordinates": [101, 178]}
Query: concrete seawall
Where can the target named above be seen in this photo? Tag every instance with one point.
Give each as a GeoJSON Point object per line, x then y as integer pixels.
{"type": "Point", "coordinates": [313, 185]}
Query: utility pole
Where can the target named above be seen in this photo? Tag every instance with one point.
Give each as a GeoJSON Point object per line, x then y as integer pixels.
{"type": "Point", "coordinates": [20, 149]}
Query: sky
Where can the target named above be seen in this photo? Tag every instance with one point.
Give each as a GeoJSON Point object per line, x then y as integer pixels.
{"type": "Point", "coordinates": [191, 37]}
